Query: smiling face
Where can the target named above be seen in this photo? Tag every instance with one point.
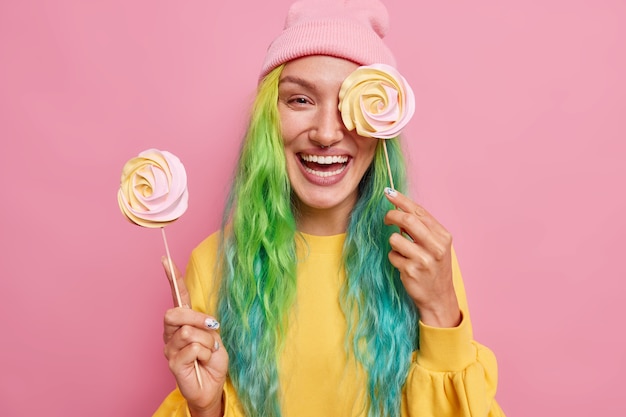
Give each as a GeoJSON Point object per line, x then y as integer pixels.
{"type": "Point", "coordinates": [325, 162]}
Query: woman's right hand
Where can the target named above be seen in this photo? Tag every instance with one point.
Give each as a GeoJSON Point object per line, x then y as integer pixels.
{"type": "Point", "coordinates": [188, 338]}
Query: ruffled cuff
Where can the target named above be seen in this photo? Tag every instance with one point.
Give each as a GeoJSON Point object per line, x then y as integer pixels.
{"type": "Point", "coordinates": [446, 349]}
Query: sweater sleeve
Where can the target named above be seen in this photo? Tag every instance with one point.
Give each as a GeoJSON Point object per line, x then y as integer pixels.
{"type": "Point", "coordinates": [451, 374]}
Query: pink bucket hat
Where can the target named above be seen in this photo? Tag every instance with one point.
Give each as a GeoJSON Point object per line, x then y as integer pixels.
{"type": "Point", "coordinates": [349, 29]}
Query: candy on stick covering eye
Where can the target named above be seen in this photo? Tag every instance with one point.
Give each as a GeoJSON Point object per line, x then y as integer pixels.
{"type": "Point", "coordinates": [153, 193]}
{"type": "Point", "coordinates": [377, 101]}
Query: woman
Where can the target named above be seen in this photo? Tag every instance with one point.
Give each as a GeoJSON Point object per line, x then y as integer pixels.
{"type": "Point", "coordinates": [326, 309]}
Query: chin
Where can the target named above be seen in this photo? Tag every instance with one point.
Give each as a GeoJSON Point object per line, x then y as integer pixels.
{"type": "Point", "coordinates": [324, 199]}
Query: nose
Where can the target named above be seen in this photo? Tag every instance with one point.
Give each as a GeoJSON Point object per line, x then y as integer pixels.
{"type": "Point", "coordinates": [328, 128]}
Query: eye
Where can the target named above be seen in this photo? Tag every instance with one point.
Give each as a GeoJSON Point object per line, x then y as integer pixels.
{"type": "Point", "coordinates": [299, 101]}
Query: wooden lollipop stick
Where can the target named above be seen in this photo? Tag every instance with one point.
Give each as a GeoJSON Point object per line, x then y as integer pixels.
{"type": "Point", "coordinates": [402, 231]}
{"type": "Point", "coordinates": [179, 301]}
{"type": "Point", "coordinates": [388, 165]}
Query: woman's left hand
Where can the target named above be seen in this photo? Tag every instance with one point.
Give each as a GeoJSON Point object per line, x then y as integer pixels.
{"type": "Point", "coordinates": [424, 260]}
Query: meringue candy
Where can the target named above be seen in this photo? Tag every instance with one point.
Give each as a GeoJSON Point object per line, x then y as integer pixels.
{"type": "Point", "coordinates": [153, 189]}
{"type": "Point", "coordinates": [377, 101]}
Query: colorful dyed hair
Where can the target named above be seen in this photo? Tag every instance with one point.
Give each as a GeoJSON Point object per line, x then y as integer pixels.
{"type": "Point", "coordinates": [259, 272]}
{"type": "Point", "coordinates": [381, 317]}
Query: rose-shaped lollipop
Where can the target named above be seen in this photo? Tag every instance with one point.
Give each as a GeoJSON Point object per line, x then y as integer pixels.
{"type": "Point", "coordinates": [153, 193]}
{"type": "Point", "coordinates": [377, 101]}
{"type": "Point", "coordinates": [153, 190]}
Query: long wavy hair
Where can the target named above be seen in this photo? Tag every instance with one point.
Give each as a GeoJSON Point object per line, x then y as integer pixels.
{"type": "Point", "coordinates": [258, 283]}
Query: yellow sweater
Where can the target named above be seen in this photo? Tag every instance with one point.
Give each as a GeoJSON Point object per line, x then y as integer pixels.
{"type": "Point", "coordinates": [451, 374]}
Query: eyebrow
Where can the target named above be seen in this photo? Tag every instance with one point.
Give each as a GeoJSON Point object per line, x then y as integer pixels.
{"type": "Point", "coordinates": [297, 80]}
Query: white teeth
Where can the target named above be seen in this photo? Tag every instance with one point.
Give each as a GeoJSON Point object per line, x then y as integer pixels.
{"type": "Point", "coordinates": [324, 160]}
{"type": "Point", "coordinates": [324, 174]}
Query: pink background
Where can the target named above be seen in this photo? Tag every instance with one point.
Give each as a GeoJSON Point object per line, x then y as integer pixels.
{"type": "Point", "coordinates": [517, 147]}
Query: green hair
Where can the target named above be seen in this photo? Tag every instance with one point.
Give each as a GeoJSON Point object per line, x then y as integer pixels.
{"type": "Point", "coordinates": [259, 278]}
{"type": "Point", "coordinates": [258, 285]}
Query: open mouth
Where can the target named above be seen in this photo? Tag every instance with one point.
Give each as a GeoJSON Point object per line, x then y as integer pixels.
{"type": "Point", "coordinates": [324, 166]}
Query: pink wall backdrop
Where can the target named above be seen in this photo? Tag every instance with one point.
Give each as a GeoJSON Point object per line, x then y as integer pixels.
{"type": "Point", "coordinates": [517, 147]}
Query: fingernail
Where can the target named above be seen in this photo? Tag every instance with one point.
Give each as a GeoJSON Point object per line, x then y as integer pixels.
{"type": "Point", "coordinates": [212, 324]}
{"type": "Point", "coordinates": [216, 346]}
{"type": "Point", "coordinates": [390, 192]}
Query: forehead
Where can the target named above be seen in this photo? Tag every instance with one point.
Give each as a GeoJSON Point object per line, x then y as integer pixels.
{"type": "Point", "coordinates": [319, 69]}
